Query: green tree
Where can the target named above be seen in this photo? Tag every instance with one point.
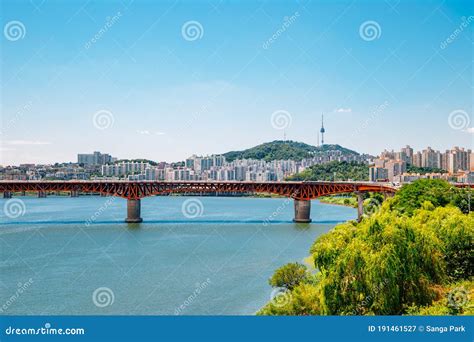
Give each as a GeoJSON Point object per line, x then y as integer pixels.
{"type": "Point", "coordinates": [334, 170]}
{"type": "Point", "coordinates": [289, 276]}
{"type": "Point", "coordinates": [412, 196]}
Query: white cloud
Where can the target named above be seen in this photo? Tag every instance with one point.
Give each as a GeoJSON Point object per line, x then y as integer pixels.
{"type": "Point", "coordinates": [26, 142]}
{"type": "Point", "coordinates": [146, 132]}
{"type": "Point", "coordinates": [343, 110]}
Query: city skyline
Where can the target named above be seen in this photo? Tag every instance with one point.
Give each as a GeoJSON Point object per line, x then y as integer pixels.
{"type": "Point", "coordinates": [206, 79]}
{"type": "Point", "coordinates": [74, 157]}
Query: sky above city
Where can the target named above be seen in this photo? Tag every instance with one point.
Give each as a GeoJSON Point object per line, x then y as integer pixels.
{"type": "Point", "coordinates": [163, 80]}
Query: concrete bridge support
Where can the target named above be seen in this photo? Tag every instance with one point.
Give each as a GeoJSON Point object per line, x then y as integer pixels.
{"type": "Point", "coordinates": [302, 211]}
{"type": "Point", "coordinates": [7, 194]}
{"type": "Point", "coordinates": [74, 193]}
{"type": "Point", "coordinates": [360, 206]}
{"type": "Point", "coordinates": [41, 194]}
{"type": "Point", "coordinates": [133, 211]}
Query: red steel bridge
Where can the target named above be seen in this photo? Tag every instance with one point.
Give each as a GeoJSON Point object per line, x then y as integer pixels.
{"type": "Point", "coordinates": [133, 191]}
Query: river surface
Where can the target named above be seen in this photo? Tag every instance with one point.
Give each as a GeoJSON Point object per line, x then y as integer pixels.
{"type": "Point", "coordinates": [190, 256]}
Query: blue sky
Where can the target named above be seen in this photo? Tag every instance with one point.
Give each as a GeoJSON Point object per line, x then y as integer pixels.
{"type": "Point", "coordinates": [145, 87]}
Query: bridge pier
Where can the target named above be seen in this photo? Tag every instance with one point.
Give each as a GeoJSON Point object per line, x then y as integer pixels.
{"type": "Point", "coordinates": [360, 206]}
{"type": "Point", "coordinates": [302, 211]}
{"type": "Point", "coordinates": [7, 194]}
{"type": "Point", "coordinates": [41, 194]}
{"type": "Point", "coordinates": [74, 193]}
{"type": "Point", "coordinates": [133, 211]}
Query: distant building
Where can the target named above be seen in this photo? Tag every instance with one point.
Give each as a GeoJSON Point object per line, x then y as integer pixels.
{"type": "Point", "coordinates": [417, 159]}
{"type": "Point", "coordinates": [95, 158]}
{"type": "Point", "coordinates": [431, 158]}
{"type": "Point", "coordinates": [377, 174]}
{"type": "Point", "coordinates": [407, 152]}
{"type": "Point", "coordinates": [125, 169]}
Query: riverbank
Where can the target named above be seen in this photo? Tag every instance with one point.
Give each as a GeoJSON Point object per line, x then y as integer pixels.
{"type": "Point", "coordinates": [346, 201]}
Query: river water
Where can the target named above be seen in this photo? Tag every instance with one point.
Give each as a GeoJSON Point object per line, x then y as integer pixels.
{"type": "Point", "coordinates": [190, 256]}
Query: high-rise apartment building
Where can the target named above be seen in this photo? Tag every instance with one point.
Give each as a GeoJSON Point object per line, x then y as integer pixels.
{"type": "Point", "coordinates": [95, 158]}
{"type": "Point", "coordinates": [431, 158]}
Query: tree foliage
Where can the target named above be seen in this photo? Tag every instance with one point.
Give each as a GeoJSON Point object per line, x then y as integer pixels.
{"type": "Point", "coordinates": [283, 150]}
{"type": "Point", "coordinates": [289, 276]}
{"type": "Point", "coordinates": [439, 192]}
{"type": "Point", "coordinates": [334, 170]}
{"type": "Point", "coordinates": [393, 262]}
{"type": "Point", "coordinates": [424, 170]}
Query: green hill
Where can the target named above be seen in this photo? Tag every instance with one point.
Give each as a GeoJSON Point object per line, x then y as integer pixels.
{"type": "Point", "coordinates": [280, 149]}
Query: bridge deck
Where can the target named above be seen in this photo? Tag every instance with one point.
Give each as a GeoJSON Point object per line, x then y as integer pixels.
{"type": "Point", "coordinates": [300, 190]}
